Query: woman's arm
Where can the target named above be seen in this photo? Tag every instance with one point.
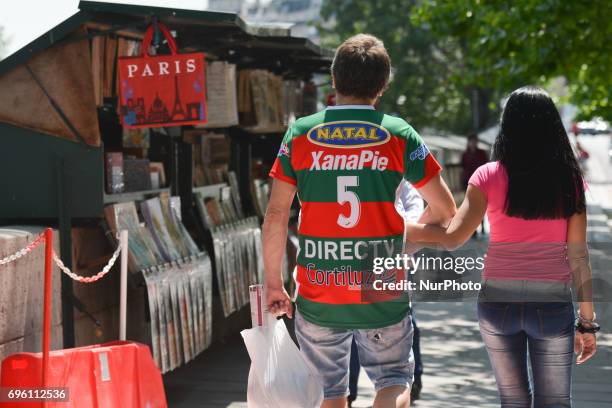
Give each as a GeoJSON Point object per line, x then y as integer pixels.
{"type": "Point", "coordinates": [462, 226]}
{"type": "Point", "coordinates": [578, 256]}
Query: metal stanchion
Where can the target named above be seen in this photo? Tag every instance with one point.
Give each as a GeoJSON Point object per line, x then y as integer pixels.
{"type": "Point", "coordinates": [123, 242]}
{"type": "Point", "coordinates": [47, 305]}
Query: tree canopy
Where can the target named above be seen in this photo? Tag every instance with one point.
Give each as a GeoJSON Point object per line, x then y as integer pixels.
{"type": "Point", "coordinates": [532, 41]}
{"type": "Point", "coordinates": [422, 89]}
{"type": "Point", "coordinates": [443, 50]}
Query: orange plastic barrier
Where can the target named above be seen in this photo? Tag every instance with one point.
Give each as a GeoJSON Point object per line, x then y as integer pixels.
{"type": "Point", "coordinates": [119, 374]}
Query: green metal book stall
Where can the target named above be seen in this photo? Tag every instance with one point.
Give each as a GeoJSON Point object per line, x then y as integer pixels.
{"type": "Point", "coordinates": [192, 197]}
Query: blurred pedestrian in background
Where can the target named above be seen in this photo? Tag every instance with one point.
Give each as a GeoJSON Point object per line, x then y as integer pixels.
{"type": "Point", "coordinates": [472, 158]}
{"type": "Point", "coordinates": [581, 155]}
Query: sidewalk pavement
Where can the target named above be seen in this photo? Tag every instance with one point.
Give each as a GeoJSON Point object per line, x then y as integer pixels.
{"type": "Point", "coordinates": [458, 372]}
{"type": "Point", "coordinates": [457, 369]}
{"type": "Point", "coordinates": [215, 379]}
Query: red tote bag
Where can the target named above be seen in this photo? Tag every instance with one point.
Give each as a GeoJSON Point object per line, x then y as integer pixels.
{"type": "Point", "coordinates": [162, 90]}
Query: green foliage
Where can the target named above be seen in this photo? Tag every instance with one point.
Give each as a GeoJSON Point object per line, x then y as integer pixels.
{"type": "Point", "coordinates": [512, 43]}
{"type": "Point", "coordinates": [443, 49]}
{"type": "Point", "coordinates": [422, 89]}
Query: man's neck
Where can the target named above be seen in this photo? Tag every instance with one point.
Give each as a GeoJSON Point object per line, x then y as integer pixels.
{"type": "Point", "coordinates": [350, 100]}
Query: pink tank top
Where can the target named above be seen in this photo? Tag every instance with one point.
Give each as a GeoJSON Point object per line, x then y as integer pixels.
{"type": "Point", "coordinates": [519, 249]}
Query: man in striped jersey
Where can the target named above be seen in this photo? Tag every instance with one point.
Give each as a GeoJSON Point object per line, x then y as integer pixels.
{"type": "Point", "coordinates": [345, 163]}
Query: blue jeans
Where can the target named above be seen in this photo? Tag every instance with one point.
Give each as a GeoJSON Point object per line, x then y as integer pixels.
{"type": "Point", "coordinates": [385, 354]}
{"type": "Point", "coordinates": [355, 367]}
{"type": "Point", "coordinates": [544, 329]}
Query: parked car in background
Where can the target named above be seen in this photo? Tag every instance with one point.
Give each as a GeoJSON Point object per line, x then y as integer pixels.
{"type": "Point", "coordinates": [595, 126]}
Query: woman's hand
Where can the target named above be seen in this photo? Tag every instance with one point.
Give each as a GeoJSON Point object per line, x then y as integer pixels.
{"type": "Point", "coordinates": [585, 345]}
{"type": "Point", "coordinates": [461, 227]}
{"type": "Point", "coordinates": [279, 302]}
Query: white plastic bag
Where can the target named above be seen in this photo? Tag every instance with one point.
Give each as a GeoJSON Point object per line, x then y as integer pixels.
{"type": "Point", "coordinates": [279, 375]}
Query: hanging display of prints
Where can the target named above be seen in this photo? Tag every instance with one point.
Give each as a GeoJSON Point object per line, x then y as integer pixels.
{"type": "Point", "coordinates": [162, 90]}
{"type": "Point", "coordinates": [179, 286]}
{"type": "Point", "coordinates": [237, 247]}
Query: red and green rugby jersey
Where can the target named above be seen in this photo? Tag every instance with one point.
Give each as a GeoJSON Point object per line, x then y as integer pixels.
{"type": "Point", "coordinates": [347, 163]}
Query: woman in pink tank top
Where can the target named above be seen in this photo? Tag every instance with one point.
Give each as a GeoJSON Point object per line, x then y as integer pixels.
{"type": "Point", "coordinates": [533, 195]}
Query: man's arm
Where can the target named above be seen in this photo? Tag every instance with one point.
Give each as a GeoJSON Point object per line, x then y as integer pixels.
{"type": "Point", "coordinates": [441, 206]}
{"type": "Point", "coordinates": [440, 209]}
{"type": "Point", "coordinates": [274, 231]}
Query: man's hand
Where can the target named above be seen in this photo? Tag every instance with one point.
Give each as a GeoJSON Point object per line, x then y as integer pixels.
{"type": "Point", "coordinates": [585, 346]}
{"type": "Point", "coordinates": [279, 302]}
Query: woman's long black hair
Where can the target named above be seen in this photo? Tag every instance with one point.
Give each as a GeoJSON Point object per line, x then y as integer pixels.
{"type": "Point", "coordinates": [545, 180]}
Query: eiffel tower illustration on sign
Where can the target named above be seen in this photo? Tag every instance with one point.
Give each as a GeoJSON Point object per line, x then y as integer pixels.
{"type": "Point", "coordinates": [178, 107]}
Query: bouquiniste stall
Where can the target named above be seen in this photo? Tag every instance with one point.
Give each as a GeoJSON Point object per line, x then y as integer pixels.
{"type": "Point", "coordinates": [180, 164]}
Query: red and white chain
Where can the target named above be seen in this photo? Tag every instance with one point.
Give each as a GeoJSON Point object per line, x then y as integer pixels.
{"type": "Point", "coordinates": [24, 251]}
{"type": "Point", "coordinates": [84, 279]}
{"type": "Point", "coordinates": [88, 279]}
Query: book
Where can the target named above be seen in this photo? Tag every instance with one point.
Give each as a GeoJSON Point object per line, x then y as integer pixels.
{"type": "Point", "coordinates": [136, 174]}
{"type": "Point", "coordinates": [214, 211]}
{"type": "Point", "coordinates": [158, 167]}
{"type": "Point", "coordinates": [227, 205]}
{"type": "Point", "coordinates": [156, 223]}
{"type": "Point", "coordinates": [186, 314]}
{"type": "Point", "coordinates": [177, 332]}
{"type": "Point", "coordinates": [175, 210]}
{"type": "Point", "coordinates": [221, 96]}
{"type": "Point", "coordinates": [171, 222]}
{"type": "Point", "coordinates": [142, 251]}
{"type": "Point", "coordinates": [205, 307]}
{"type": "Point", "coordinates": [164, 334]}
{"type": "Point", "coordinates": [235, 191]}
{"type": "Point", "coordinates": [154, 314]}
{"type": "Point", "coordinates": [114, 172]}
{"type": "Point", "coordinates": [260, 191]}
{"type": "Point", "coordinates": [136, 138]}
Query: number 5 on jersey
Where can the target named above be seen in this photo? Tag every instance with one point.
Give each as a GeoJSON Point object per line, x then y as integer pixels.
{"type": "Point", "coordinates": [346, 196]}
